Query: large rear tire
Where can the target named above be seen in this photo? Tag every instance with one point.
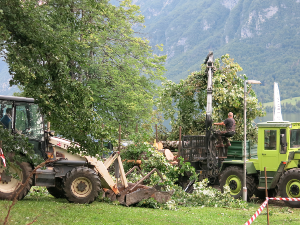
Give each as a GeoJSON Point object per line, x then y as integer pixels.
{"type": "Point", "coordinates": [10, 186]}
{"type": "Point", "coordinates": [82, 185]}
{"type": "Point", "coordinates": [233, 177]}
{"type": "Point", "coordinates": [289, 187]}
{"type": "Point", "coordinates": [57, 191]}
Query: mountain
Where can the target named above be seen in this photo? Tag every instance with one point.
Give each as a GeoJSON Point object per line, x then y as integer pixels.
{"type": "Point", "coordinates": [262, 36]}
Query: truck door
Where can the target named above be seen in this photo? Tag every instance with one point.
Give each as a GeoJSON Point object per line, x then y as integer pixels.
{"type": "Point", "coordinates": [270, 149]}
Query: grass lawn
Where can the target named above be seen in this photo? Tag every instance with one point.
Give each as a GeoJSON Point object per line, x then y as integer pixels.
{"type": "Point", "coordinates": [49, 210]}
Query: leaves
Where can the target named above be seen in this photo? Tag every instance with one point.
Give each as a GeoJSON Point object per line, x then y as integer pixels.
{"type": "Point", "coordinates": [17, 149]}
{"type": "Point", "coordinates": [83, 64]}
{"type": "Point", "coordinates": [187, 100]}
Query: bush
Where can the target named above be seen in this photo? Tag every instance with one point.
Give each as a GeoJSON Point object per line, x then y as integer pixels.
{"type": "Point", "coordinates": [202, 194]}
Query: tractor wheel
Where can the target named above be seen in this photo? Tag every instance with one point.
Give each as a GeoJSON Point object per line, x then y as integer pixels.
{"type": "Point", "coordinates": [57, 191]}
{"type": "Point", "coordinates": [82, 185]}
{"type": "Point", "coordinates": [10, 186]}
{"type": "Point", "coordinates": [233, 177]}
{"type": "Point", "coordinates": [289, 186]}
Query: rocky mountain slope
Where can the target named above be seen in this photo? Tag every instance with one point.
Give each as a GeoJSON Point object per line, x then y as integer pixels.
{"type": "Point", "coordinates": [262, 36]}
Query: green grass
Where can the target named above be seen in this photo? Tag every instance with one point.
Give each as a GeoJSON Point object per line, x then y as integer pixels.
{"type": "Point", "coordinates": [290, 101]}
{"type": "Point", "coordinates": [58, 211]}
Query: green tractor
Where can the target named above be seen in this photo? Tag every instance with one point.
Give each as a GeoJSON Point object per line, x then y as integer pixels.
{"type": "Point", "coordinates": [278, 149]}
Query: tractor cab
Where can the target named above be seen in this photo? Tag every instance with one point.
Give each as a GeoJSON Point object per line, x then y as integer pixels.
{"type": "Point", "coordinates": [20, 115]}
{"type": "Point", "coordinates": [276, 142]}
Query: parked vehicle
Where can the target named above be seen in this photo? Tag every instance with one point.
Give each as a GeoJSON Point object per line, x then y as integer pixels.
{"type": "Point", "coordinates": [277, 149]}
{"type": "Point", "coordinates": [78, 178]}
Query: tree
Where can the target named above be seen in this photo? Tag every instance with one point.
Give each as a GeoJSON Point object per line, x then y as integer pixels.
{"type": "Point", "coordinates": [187, 100]}
{"type": "Point", "coordinates": [81, 62]}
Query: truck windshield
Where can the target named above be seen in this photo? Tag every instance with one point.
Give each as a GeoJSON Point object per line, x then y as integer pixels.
{"type": "Point", "coordinates": [295, 138]}
{"type": "Point", "coordinates": [28, 121]}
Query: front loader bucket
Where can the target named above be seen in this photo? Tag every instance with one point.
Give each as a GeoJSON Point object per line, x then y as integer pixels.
{"type": "Point", "coordinates": [124, 192]}
{"type": "Point", "coordinates": [137, 192]}
{"type": "Point", "coordinates": [130, 196]}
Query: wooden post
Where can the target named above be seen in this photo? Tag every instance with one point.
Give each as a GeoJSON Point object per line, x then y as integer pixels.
{"type": "Point", "coordinates": [179, 144]}
{"type": "Point", "coordinates": [267, 195]}
{"type": "Point", "coordinates": [119, 148]}
{"type": "Point", "coordinates": [156, 133]}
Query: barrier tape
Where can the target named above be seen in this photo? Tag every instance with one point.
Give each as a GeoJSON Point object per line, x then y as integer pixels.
{"type": "Point", "coordinates": [2, 157]}
{"type": "Point", "coordinates": [286, 199]}
{"type": "Point", "coordinates": [257, 212]}
{"type": "Point", "coordinates": [264, 205]}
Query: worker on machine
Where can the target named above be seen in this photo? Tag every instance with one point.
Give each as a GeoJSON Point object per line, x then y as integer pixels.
{"type": "Point", "coordinates": [229, 124]}
{"type": "Point", "coordinates": [6, 119]}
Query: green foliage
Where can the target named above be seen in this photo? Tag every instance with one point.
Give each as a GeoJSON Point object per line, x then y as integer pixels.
{"type": "Point", "coordinates": [149, 203]}
{"type": "Point", "coordinates": [151, 158]}
{"type": "Point", "coordinates": [204, 196]}
{"type": "Point", "coordinates": [81, 62]}
{"type": "Point", "coordinates": [37, 192]}
{"type": "Point", "coordinates": [138, 146]}
{"type": "Point", "coordinates": [16, 148]}
{"type": "Point", "coordinates": [187, 100]}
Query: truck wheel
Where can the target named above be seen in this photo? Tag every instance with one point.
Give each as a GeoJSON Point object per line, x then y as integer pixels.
{"type": "Point", "coordinates": [57, 191]}
{"type": "Point", "coordinates": [289, 186]}
{"type": "Point", "coordinates": [9, 186]}
{"type": "Point", "coordinates": [233, 177]}
{"type": "Point", "coordinates": [82, 185]}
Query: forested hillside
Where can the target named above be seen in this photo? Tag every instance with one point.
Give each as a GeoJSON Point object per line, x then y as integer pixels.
{"type": "Point", "coordinates": [262, 36]}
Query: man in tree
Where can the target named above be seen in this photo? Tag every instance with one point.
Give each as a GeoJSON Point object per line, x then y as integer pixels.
{"type": "Point", "coordinates": [229, 124]}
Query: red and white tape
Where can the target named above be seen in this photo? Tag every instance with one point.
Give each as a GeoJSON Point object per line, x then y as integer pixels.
{"type": "Point", "coordinates": [2, 157]}
{"type": "Point", "coordinates": [286, 199]}
{"type": "Point", "coordinates": [264, 205]}
{"type": "Point", "coordinates": [257, 212]}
